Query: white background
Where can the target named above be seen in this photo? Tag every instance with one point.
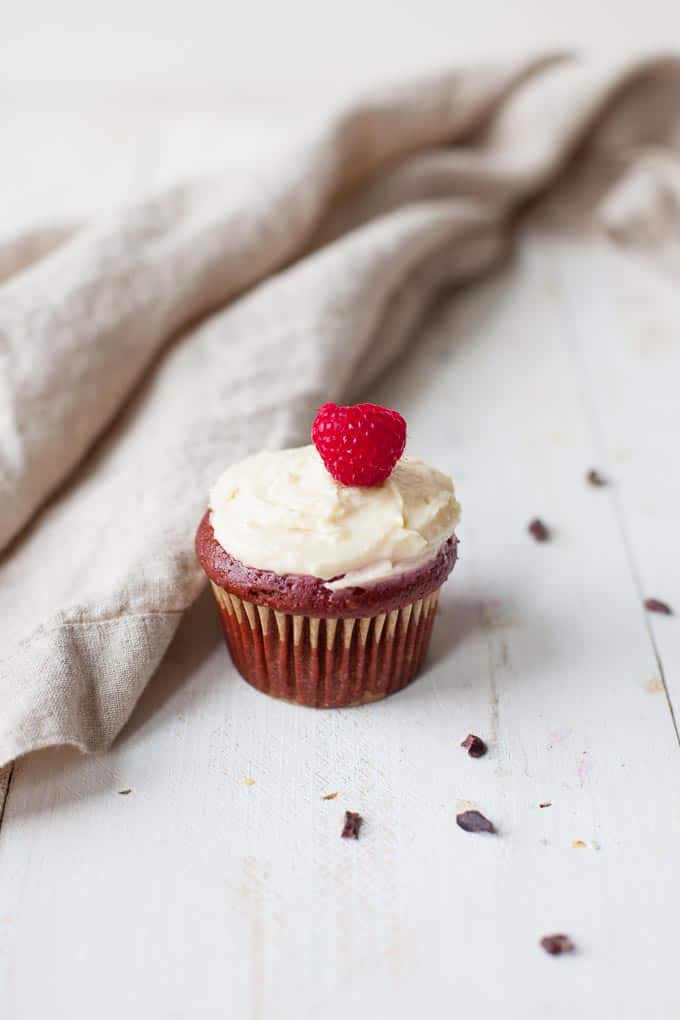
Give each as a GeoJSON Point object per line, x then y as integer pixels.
{"type": "Point", "coordinates": [84, 84]}
{"type": "Point", "coordinates": [225, 44]}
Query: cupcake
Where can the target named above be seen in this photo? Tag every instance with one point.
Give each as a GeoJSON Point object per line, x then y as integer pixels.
{"type": "Point", "coordinates": [326, 560]}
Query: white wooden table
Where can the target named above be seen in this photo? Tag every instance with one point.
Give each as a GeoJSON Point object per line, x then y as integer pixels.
{"type": "Point", "coordinates": [220, 886]}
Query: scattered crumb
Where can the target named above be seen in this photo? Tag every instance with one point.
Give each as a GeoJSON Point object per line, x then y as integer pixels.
{"type": "Point", "coordinates": [538, 530]}
{"type": "Point", "coordinates": [476, 748]}
{"type": "Point", "coordinates": [474, 821]}
{"type": "Point", "coordinates": [595, 478]}
{"type": "Point", "coordinates": [352, 825]}
{"type": "Point", "coordinates": [557, 944]}
{"type": "Point", "coordinates": [654, 685]}
{"type": "Point", "coordinates": [125, 792]}
{"type": "Point", "coordinates": [249, 781]}
{"type": "Point", "coordinates": [578, 844]}
{"type": "Point", "coordinates": [329, 796]}
{"type": "Point", "coordinates": [545, 803]}
{"type": "Point", "coordinates": [657, 606]}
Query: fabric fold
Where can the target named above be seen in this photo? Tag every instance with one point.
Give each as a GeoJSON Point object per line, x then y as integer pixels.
{"type": "Point", "coordinates": [141, 354]}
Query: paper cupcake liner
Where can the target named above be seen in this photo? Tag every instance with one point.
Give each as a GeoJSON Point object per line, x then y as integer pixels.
{"type": "Point", "coordinates": [326, 663]}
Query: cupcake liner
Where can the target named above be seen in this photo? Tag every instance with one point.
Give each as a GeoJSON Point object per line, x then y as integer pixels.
{"type": "Point", "coordinates": [326, 663]}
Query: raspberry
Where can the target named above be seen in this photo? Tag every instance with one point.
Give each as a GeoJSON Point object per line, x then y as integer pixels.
{"type": "Point", "coordinates": [359, 444]}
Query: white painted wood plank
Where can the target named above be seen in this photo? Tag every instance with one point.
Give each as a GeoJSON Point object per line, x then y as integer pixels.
{"type": "Point", "coordinates": [628, 348]}
{"type": "Point", "coordinates": [199, 895]}
{"type": "Point", "coordinates": [623, 320]}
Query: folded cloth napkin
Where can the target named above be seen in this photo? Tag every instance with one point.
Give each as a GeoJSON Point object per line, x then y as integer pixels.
{"type": "Point", "coordinates": [141, 354]}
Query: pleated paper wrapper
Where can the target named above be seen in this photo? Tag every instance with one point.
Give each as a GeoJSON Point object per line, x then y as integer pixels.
{"type": "Point", "coordinates": [326, 663]}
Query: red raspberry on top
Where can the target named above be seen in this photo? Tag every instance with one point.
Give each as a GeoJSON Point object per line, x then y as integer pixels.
{"type": "Point", "coordinates": [359, 444]}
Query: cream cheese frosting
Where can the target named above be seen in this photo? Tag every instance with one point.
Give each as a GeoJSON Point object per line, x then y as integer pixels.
{"type": "Point", "coordinates": [283, 511]}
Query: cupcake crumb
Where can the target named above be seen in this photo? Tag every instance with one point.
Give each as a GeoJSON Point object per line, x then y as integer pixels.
{"type": "Point", "coordinates": [474, 821]}
{"type": "Point", "coordinates": [476, 748]}
{"type": "Point", "coordinates": [557, 944]}
{"type": "Point", "coordinates": [352, 825]}
{"type": "Point", "coordinates": [538, 530]}
{"type": "Point", "coordinates": [657, 606]}
{"type": "Point", "coordinates": [249, 781]}
{"type": "Point", "coordinates": [329, 796]}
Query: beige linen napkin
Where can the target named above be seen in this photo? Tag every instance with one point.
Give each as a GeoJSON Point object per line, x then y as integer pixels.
{"type": "Point", "coordinates": [141, 354]}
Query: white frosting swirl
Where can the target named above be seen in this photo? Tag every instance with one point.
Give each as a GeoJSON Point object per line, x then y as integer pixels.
{"type": "Point", "coordinates": [282, 511]}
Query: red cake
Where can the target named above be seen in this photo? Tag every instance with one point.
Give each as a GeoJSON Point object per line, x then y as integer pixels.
{"type": "Point", "coordinates": [327, 591]}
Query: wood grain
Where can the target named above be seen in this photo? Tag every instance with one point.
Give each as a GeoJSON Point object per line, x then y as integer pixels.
{"type": "Point", "coordinates": [628, 353]}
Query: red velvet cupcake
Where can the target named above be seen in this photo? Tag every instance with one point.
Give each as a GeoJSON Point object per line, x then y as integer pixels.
{"type": "Point", "coordinates": [327, 591]}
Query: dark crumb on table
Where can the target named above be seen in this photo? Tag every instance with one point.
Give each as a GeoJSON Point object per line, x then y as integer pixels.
{"type": "Point", "coordinates": [125, 792]}
{"type": "Point", "coordinates": [475, 746]}
{"type": "Point", "coordinates": [657, 606]}
{"type": "Point", "coordinates": [595, 478]}
{"type": "Point", "coordinates": [557, 944]}
{"type": "Point", "coordinates": [352, 825]}
{"type": "Point", "coordinates": [545, 803]}
{"type": "Point", "coordinates": [474, 821]}
{"type": "Point", "coordinates": [538, 530]}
